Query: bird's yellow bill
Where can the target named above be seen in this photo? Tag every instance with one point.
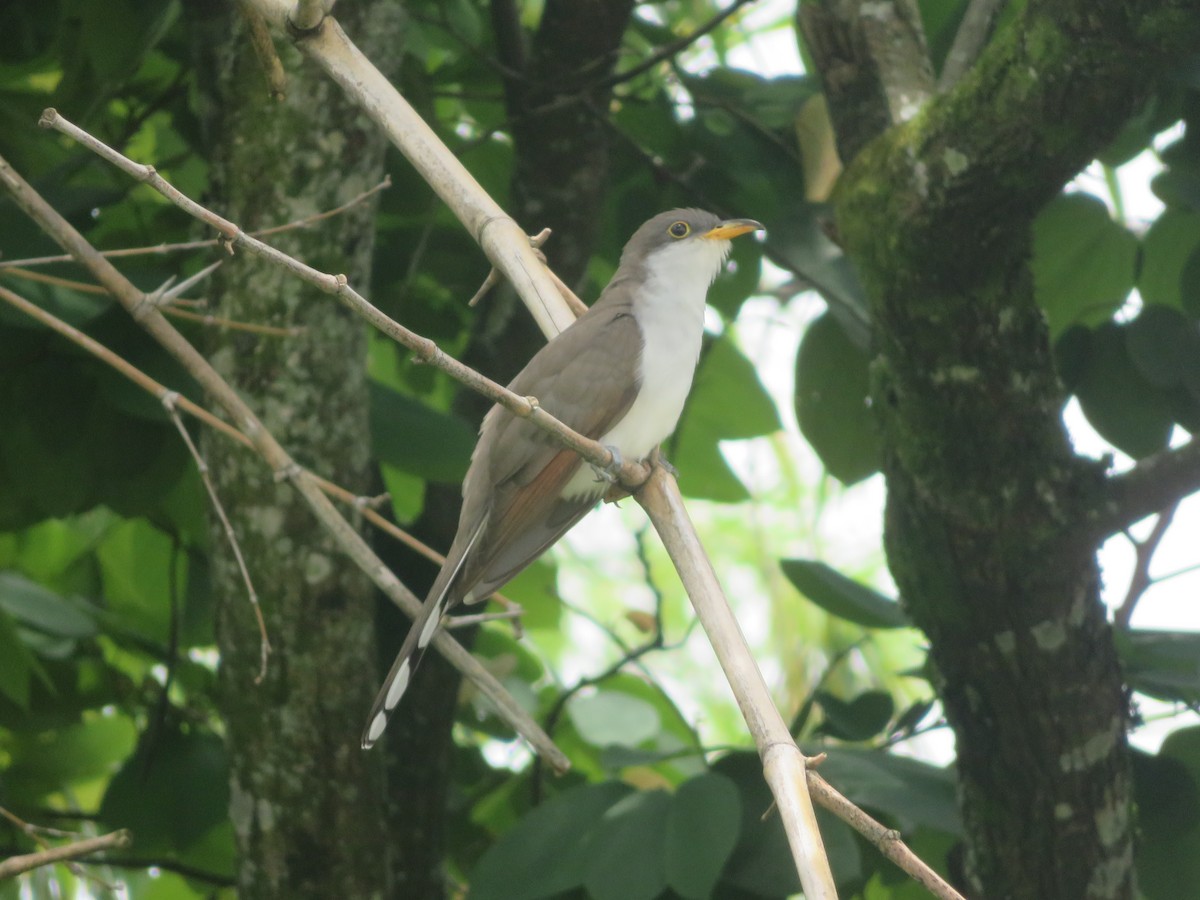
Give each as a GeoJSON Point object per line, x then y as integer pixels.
{"type": "Point", "coordinates": [731, 228]}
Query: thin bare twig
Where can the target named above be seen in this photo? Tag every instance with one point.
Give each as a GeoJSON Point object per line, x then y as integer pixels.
{"type": "Point", "coordinates": [280, 462]}
{"type": "Point", "coordinates": [169, 401]}
{"type": "Point", "coordinates": [15, 865]}
{"type": "Point", "coordinates": [33, 831]}
{"type": "Point", "coordinates": [674, 48]}
{"type": "Point", "coordinates": [169, 291]}
{"type": "Point", "coordinates": [632, 473]}
{"type": "Point", "coordinates": [493, 275]}
{"type": "Point", "coordinates": [885, 839]}
{"type": "Point", "coordinates": [264, 50]}
{"type": "Point", "coordinates": [170, 310]}
{"type": "Point", "coordinates": [163, 249]}
{"type": "Point", "coordinates": [578, 307]}
{"type": "Point", "coordinates": [362, 505]}
{"type": "Point", "coordinates": [1141, 581]}
{"type": "Point", "coordinates": [233, 325]}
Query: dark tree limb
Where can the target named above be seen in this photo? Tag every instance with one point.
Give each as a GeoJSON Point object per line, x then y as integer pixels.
{"type": "Point", "coordinates": [1151, 485]}
{"type": "Point", "coordinates": [1141, 580]}
{"type": "Point", "coordinates": [874, 65]}
{"type": "Point", "coordinates": [989, 528]}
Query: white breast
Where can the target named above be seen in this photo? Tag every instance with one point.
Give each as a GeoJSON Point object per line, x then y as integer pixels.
{"type": "Point", "coordinates": [670, 312]}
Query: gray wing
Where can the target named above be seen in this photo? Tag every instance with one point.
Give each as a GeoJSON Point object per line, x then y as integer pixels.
{"type": "Point", "coordinates": [587, 378]}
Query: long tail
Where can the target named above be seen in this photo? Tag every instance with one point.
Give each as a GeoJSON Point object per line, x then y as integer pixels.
{"type": "Point", "coordinates": [424, 627]}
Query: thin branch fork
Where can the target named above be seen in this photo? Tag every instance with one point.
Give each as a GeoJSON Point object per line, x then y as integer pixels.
{"type": "Point", "coordinates": [363, 506]}
{"type": "Point", "coordinates": [351, 542]}
{"type": "Point", "coordinates": [502, 239]}
{"type": "Point", "coordinates": [163, 249]}
{"type": "Point", "coordinates": [783, 763]}
{"type": "Point", "coordinates": [1152, 485]}
{"type": "Point", "coordinates": [632, 473]}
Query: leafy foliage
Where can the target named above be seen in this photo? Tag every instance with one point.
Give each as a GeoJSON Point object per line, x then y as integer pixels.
{"type": "Point", "coordinates": [108, 702]}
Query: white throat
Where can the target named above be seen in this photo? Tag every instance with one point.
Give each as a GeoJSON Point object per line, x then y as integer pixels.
{"type": "Point", "coordinates": [669, 308]}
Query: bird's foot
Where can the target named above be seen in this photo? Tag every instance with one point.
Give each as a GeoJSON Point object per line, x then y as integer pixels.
{"type": "Point", "coordinates": [612, 472]}
{"type": "Point", "coordinates": [657, 459]}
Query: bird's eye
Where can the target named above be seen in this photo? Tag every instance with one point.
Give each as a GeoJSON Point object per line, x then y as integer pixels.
{"type": "Point", "coordinates": [679, 229]}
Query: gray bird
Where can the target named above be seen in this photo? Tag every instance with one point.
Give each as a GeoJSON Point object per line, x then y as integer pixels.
{"type": "Point", "coordinates": [619, 374]}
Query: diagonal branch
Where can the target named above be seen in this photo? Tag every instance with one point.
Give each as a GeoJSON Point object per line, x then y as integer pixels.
{"type": "Point", "coordinates": [672, 48]}
{"type": "Point", "coordinates": [1152, 485]}
{"type": "Point", "coordinates": [362, 506]}
{"type": "Point", "coordinates": [632, 473]}
{"type": "Point", "coordinates": [280, 462]}
{"type": "Point", "coordinates": [15, 865]}
{"type": "Point", "coordinates": [973, 33]}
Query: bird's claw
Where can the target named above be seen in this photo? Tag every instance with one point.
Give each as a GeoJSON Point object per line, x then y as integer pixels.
{"type": "Point", "coordinates": [612, 472]}
{"type": "Point", "coordinates": [657, 459]}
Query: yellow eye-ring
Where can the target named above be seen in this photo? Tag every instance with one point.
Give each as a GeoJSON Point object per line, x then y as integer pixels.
{"type": "Point", "coordinates": [679, 229]}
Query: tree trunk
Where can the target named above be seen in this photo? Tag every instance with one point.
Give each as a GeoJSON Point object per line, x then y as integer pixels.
{"type": "Point", "coordinates": [988, 515]}
{"type": "Point", "coordinates": [306, 802]}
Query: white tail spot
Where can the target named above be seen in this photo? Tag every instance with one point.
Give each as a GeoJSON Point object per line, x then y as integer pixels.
{"type": "Point", "coordinates": [377, 725]}
{"type": "Point", "coordinates": [432, 624]}
{"type": "Point", "coordinates": [397, 687]}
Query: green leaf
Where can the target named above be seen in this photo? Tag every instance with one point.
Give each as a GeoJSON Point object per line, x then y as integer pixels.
{"type": "Point", "coordinates": [418, 439]}
{"type": "Point", "coordinates": [52, 546]}
{"type": "Point", "coordinates": [625, 854]}
{"type": "Point", "coordinates": [843, 597]}
{"type": "Point", "coordinates": [1189, 288]}
{"type": "Point", "coordinates": [864, 717]}
{"type": "Point", "coordinates": [405, 491]}
{"type": "Point", "coordinates": [536, 589]}
{"type": "Point", "coordinates": [702, 829]}
{"type": "Point", "coordinates": [914, 793]}
{"type": "Point", "coordinates": [1171, 241]}
{"type": "Point", "coordinates": [1118, 401]}
{"type": "Point", "coordinates": [704, 473]}
{"type": "Point", "coordinates": [1083, 262]}
{"type": "Point", "coordinates": [611, 717]}
{"type": "Point", "coordinates": [906, 723]}
{"type": "Point", "coordinates": [38, 607]}
{"type": "Point", "coordinates": [1178, 188]}
{"type": "Point", "coordinates": [1164, 346]}
{"type": "Point", "coordinates": [46, 762]}
{"type": "Point", "coordinates": [546, 852]}
{"type": "Point", "coordinates": [47, 410]}
{"type": "Point", "coordinates": [797, 240]}
{"type": "Point", "coordinates": [1167, 792]}
{"type": "Point", "coordinates": [832, 390]}
{"type": "Point", "coordinates": [727, 402]}
{"type": "Point", "coordinates": [136, 570]}
{"type": "Point", "coordinates": [761, 863]}
{"type": "Point", "coordinates": [496, 642]}
{"type": "Point", "coordinates": [16, 663]}
{"type": "Point", "coordinates": [1162, 664]}
{"type": "Point", "coordinates": [172, 791]}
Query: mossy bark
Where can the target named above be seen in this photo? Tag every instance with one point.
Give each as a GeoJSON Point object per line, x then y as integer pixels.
{"type": "Point", "coordinates": [306, 802]}
{"type": "Point", "coordinates": [988, 510]}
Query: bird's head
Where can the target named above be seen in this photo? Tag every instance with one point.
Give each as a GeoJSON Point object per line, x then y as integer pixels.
{"type": "Point", "coordinates": [689, 241]}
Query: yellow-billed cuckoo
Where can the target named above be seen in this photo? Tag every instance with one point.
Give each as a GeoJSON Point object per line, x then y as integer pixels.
{"type": "Point", "coordinates": [619, 375]}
